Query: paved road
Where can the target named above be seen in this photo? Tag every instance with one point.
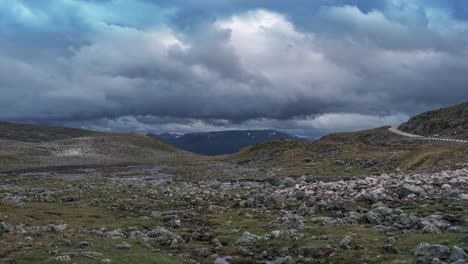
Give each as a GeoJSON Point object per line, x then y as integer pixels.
{"type": "Point", "coordinates": [399, 132]}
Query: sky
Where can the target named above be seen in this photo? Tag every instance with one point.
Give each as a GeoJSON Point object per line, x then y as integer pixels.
{"type": "Point", "coordinates": [302, 67]}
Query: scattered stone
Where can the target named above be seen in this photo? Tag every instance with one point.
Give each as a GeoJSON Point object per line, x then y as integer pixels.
{"type": "Point", "coordinates": [290, 221]}
{"type": "Point", "coordinates": [346, 243]}
{"type": "Point", "coordinates": [458, 254]}
{"type": "Point", "coordinates": [284, 260]}
{"type": "Point", "coordinates": [273, 179]}
{"type": "Point", "coordinates": [430, 229]}
{"type": "Point", "coordinates": [405, 190]}
{"type": "Point", "coordinates": [248, 239]}
{"type": "Point", "coordinates": [56, 228]}
{"type": "Point", "coordinates": [123, 245]}
{"type": "Point", "coordinates": [432, 251]}
{"type": "Point", "coordinates": [83, 244]}
{"type": "Point", "coordinates": [202, 252]}
{"type": "Point", "coordinates": [20, 205]}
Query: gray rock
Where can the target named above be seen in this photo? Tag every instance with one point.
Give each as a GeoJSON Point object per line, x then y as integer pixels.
{"type": "Point", "coordinates": [285, 235]}
{"type": "Point", "coordinates": [20, 205]}
{"type": "Point", "coordinates": [123, 245]}
{"type": "Point", "coordinates": [455, 229]}
{"type": "Point", "coordinates": [461, 261]}
{"type": "Point", "coordinates": [464, 239]}
{"type": "Point", "coordinates": [390, 249]}
{"type": "Point", "coordinates": [432, 251]}
{"type": "Point", "coordinates": [430, 229]}
{"type": "Point", "coordinates": [137, 235]}
{"type": "Point", "coordinates": [346, 243]}
{"type": "Point", "coordinates": [83, 244]}
{"type": "Point", "coordinates": [381, 209]}
{"type": "Point", "coordinates": [202, 252]}
{"type": "Point", "coordinates": [217, 244]}
{"type": "Point", "coordinates": [56, 228]}
{"type": "Point", "coordinates": [284, 260]}
{"type": "Point", "coordinates": [302, 210]}
{"type": "Point", "coordinates": [299, 195]}
{"type": "Point", "coordinates": [164, 236]}
{"type": "Point", "coordinates": [458, 254]}
{"type": "Point", "coordinates": [290, 221]}
{"type": "Point", "coordinates": [405, 190]}
{"type": "Point", "coordinates": [346, 205]}
{"type": "Point", "coordinates": [5, 228]}
{"type": "Point", "coordinates": [288, 182]}
{"type": "Point", "coordinates": [273, 179]}
{"type": "Point", "coordinates": [374, 218]}
{"type": "Point", "coordinates": [354, 217]}
{"type": "Point", "coordinates": [248, 239]}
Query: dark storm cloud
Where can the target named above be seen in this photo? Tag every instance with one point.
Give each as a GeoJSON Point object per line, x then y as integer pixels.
{"type": "Point", "coordinates": [207, 65]}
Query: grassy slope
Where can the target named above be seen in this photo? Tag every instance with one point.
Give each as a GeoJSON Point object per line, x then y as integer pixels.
{"type": "Point", "coordinates": [450, 121]}
{"type": "Point", "coordinates": [100, 149]}
{"type": "Point", "coordinates": [366, 152]}
{"type": "Point", "coordinates": [34, 133]}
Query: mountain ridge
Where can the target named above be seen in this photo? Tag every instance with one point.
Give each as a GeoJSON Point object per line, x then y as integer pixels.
{"type": "Point", "coordinates": [221, 142]}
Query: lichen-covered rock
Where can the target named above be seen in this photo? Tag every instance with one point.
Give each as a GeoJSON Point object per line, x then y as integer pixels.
{"type": "Point", "coordinates": [248, 239]}
{"type": "Point", "coordinates": [346, 243]}
{"type": "Point", "coordinates": [165, 236]}
{"type": "Point", "coordinates": [284, 260]}
{"type": "Point", "coordinates": [458, 254]}
{"type": "Point", "coordinates": [123, 245]}
{"type": "Point", "coordinates": [290, 221]}
{"type": "Point", "coordinates": [432, 251]}
{"type": "Point", "coordinates": [272, 179]}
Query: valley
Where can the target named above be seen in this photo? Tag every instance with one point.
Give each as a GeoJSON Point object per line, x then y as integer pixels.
{"type": "Point", "coordinates": [371, 196]}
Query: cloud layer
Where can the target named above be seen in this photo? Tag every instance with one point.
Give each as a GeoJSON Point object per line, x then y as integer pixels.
{"type": "Point", "coordinates": [186, 66]}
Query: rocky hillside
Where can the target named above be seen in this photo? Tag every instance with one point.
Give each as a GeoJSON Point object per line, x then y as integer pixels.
{"type": "Point", "coordinates": [221, 142]}
{"type": "Point", "coordinates": [35, 133]}
{"type": "Point", "coordinates": [341, 155]}
{"type": "Point", "coordinates": [450, 122]}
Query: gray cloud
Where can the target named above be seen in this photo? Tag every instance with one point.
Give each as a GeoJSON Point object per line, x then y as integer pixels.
{"type": "Point", "coordinates": [351, 66]}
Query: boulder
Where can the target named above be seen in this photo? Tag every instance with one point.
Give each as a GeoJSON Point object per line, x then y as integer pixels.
{"type": "Point", "coordinates": [346, 243]}
{"type": "Point", "coordinates": [431, 251]}
{"type": "Point", "coordinates": [272, 179]}
{"type": "Point", "coordinates": [346, 205]}
{"type": "Point", "coordinates": [123, 245]}
{"type": "Point", "coordinates": [248, 239]}
{"type": "Point", "coordinates": [288, 182]}
{"type": "Point", "coordinates": [284, 260]}
{"type": "Point", "coordinates": [290, 221]}
{"type": "Point", "coordinates": [202, 252]}
{"type": "Point", "coordinates": [164, 236]}
{"type": "Point", "coordinates": [407, 189]}
{"type": "Point", "coordinates": [458, 254]}
{"type": "Point", "coordinates": [430, 229]}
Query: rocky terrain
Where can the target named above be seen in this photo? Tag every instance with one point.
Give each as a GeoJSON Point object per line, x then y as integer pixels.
{"type": "Point", "coordinates": [142, 214]}
{"type": "Point", "coordinates": [449, 122]}
{"type": "Point", "coordinates": [365, 197]}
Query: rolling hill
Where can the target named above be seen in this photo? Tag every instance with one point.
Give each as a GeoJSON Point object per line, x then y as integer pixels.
{"type": "Point", "coordinates": [30, 146]}
{"type": "Point", "coordinates": [38, 133]}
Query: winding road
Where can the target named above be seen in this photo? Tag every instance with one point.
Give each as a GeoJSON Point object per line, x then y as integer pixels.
{"type": "Point", "coordinates": [395, 130]}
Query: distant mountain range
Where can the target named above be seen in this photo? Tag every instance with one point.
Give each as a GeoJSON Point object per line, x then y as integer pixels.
{"type": "Point", "coordinates": [222, 142]}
